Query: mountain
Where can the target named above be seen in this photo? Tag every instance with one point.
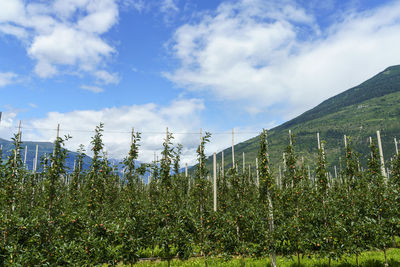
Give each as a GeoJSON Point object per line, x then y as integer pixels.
{"type": "Point", "coordinates": [357, 112]}
{"type": "Point", "coordinates": [43, 148]}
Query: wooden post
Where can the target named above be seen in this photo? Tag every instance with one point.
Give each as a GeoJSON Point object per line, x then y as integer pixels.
{"type": "Point", "coordinates": [378, 134]}
{"type": "Point", "coordinates": [257, 174]}
{"type": "Point", "coordinates": [319, 142]}
{"type": "Point", "coordinates": [233, 150]}
{"type": "Point", "coordinates": [395, 145]}
{"type": "Point", "coordinates": [215, 181]}
{"type": "Point", "coordinates": [335, 171]}
{"type": "Point", "coordinates": [345, 141]}
{"type": "Point", "coordinates": [290, 137]}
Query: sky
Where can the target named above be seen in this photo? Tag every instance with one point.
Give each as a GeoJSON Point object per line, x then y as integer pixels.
{"type": "Point", "coordinates": [189, 65]}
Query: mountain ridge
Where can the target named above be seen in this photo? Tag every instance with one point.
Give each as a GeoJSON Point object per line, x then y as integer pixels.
{"type": "Point", "coordinates": [357, 112]}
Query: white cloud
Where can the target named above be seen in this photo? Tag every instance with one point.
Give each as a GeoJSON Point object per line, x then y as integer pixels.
{"type": "Point", "coordinates": [139, 5]}
{"type": "Point", "coordinates": [263, 54]}
{"type": "Point", "coordinates": [94, 89]}
{"type": "Point", "coordinates": [7, 78]}
{"type": "Point", "coordinates": [7, 124]}
{"type": "Point", "coordinates": [168, 6]}
{"type": "Point", "coordinates": [62, 33]}
{"type": "Point", "coordinates": [106, 77]}
{"type": "Point", "coordinates": [170, 9]}
{"type": "Point", "coordinates": [18, 32]}
{"type": "Point", "coordinates": [181, 116]}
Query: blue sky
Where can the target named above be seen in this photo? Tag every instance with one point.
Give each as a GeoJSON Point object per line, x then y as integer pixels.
{"type": "Point", "coordinates": [186, 65]}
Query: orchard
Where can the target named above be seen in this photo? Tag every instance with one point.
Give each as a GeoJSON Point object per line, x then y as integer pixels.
{"type": "Point", "coordinates": [95, 215]}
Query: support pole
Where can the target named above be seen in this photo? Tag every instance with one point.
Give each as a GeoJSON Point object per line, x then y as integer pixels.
{"type": "Point", "coordinates": [378, 134]}
{"type": "Point", "coordinates": [345, 141]}
{"type": "Point", "coordinates": [215, 182]}
{"type": "Point", "coordinates": [36, 159]}
{"type": "Point", "coordinates": [319, 142]}
{"type": "Point", "coordinates": [233, 150]}
{"type": "Point", "coordinates": [223, 164]}
{"type": "Point", "coordinates": [26, 153]}
{"type": "Point", "coordinates": [396, 147]}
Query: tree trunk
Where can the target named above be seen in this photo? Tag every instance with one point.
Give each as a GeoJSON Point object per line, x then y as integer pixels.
{"type": "Point", "coordinates": [271, 229]}
{"type": "Point", "coordinates": [298, 259]}
{"type": "Point", "coordinates": [386, 261]}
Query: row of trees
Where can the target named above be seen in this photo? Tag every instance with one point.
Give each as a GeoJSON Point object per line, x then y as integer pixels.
{"type": "Point", "coordinates": [94, 216]}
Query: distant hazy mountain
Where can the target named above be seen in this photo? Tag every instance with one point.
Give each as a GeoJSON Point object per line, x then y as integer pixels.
{"type": "Point", "coordinates": [44, 148]}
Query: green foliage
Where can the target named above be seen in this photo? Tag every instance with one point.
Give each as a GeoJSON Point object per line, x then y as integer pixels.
{"type": "Point", "coordinates": [55, 217]}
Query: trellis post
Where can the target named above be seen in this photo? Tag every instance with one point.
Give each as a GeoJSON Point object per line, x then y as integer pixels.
{"type": "Point", "coordinates": [215, 181]}
{"type": "Point", "coordinates": [378, 135]}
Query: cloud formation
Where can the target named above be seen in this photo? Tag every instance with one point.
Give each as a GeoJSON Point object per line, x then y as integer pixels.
{"type": "Point", "coordinates": [61, 34]}
{"type": "Point", "coordinates": [264, 54]}
{"type": "Point", "coordinates": [7, 78]}
{"type": "Point", "coordinates": [93, 89]}
{"type": "Point", "coordinates": [182, 117]}
{"type": "Point", "coordinates": [151, 119]}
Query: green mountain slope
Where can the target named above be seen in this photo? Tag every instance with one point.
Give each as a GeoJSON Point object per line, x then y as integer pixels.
{"type": "Point", "coordinates": [358, 112]}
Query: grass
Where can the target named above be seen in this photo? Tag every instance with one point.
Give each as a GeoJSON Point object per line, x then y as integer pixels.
{"type": "Point", "coordinates": [366, 259]}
